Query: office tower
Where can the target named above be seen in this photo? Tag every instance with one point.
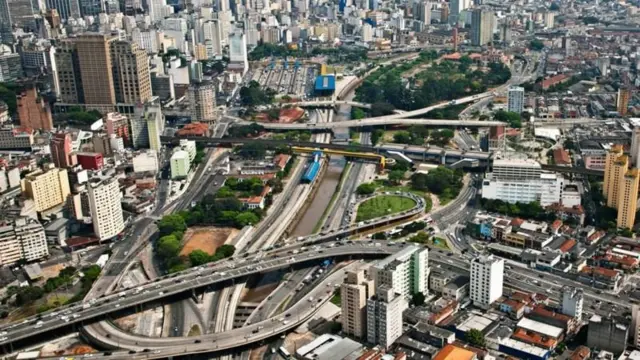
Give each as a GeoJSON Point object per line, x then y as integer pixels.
{"type": "Point", "coordinates": [33, 111]}
{"type": "Point", "coordinates": [66, 8]}
{"type": "Point", "coordinates": [410, 263]}
{"type": "Point", "coordinates": [635, 325]}
{"type": "Point", "coordinates": [10, 67]}
{"type": "Point", "coordinates": [91, 7]}
{"type": "Point", "coordinates": [156, 8]}
{"type": "Point", "coordinates": [48, 188]}
{"type": "Point", "coordinates": [424, 13]}
{"type": "Point", "coordinates": [444, 13]}
{"type": "Point", "coordinates": [94, 57]}
{"type": "Point", "coordinates": [456, 7]}
{"type": "Point", "coordinates": [24, 239]}
{"type": "Point", "coordinates": [522, 180]}
{"type": "Point", "coordinates": [212, 35]}
{"type": "Point", "coordinates": [20, 14]}
{"type": "Point", "coordinates": [481, 27]}
{"type": "Point", "coordinates": [195, 72]}
{"type": "Point", "coordinates": [354, 293]}
{"type": "Point", "coordinates": [572, 301]}
{"type": "Point", "coordinates": [69, 78]}
{"type": "Point", "coordinates": [384, 316]}
{"type": "Point", "coordinates": [202, 102]}
{"type": "Point", "coordinates": [106, 211]}
{"type": "Point", "coordinates": [238, 60]}
{"type": "Point", "coordinates": [131, 78]}
{"type": "Point", "coordinates": [622, 101]}
{"type": "Point", "coordinates": [486, 280]}
{"type": "Point", "coordinates": [516, 99]}
{"type": "Point", "coordinates": [61, 150]}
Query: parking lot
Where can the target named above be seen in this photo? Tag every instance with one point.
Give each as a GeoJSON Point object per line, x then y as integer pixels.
{"type": "Point", "coordinates": [291, 79]}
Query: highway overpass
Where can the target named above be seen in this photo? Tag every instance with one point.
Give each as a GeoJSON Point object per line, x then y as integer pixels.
{"type": "Point", "coordinates": [189, 280]}
{"type": "Point", "coordinates": [420, 153]}
{"type": "Point", "coordinates": [376, 122]}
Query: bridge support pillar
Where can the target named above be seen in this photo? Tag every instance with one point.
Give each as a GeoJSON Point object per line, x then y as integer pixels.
{"type": "Point", "coordinates": [443, 159]}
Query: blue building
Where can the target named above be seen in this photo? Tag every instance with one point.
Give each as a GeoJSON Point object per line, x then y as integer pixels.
{"type": "Point", "coordinates": [325, 85]}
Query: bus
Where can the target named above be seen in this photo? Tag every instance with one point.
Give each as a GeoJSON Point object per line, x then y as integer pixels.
{"type": "Point", "coordinates": [284, 352]}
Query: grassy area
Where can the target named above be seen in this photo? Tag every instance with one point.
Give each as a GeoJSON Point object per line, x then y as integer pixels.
{"type": "Point", "coordinates": [194, 331]}
{"type": "Point", "coordinates": [383, 205]}
{"type": "Point", "coordinates": [335, 299]}
{"type": "Point", "coordinates": [425, 195]}
{"type": "Point", "coordinates": [440, 243]}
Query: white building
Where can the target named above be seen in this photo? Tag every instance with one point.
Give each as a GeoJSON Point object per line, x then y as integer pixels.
{"type": "Point", "coordinates": [190, 147]}
{"type": "Point", "coordinates": [635, 325]}
{"type": "Point", "coordinates": [634, 151]}
{"type": "Point", "coordinates": [522, 180]}
{"type": "Point", "coordinates": [406, 271]}
{"type": "Point", "coordinates": [384, 316]}
{"type": "Point", "coordinates": [516, 99]}
{"type": "Point", "coordinates": [212, 37]}
{"type": "Point", "coordinates": [367, 32]}
{"type": "Point", "coordinates": [238, 52]}
{"type": "Point", "coordinates": [180, 164]}
{"type": "Point", "coordinates": [106, 210]}
{"type": "Point", "coordinates": [23, 240]}
{"type": "Point", "coordinates": [486, 280]}
{"type": "Point", "coordinates": [146, 161]}
{"type": "Point", "coordinates": [572, 301]}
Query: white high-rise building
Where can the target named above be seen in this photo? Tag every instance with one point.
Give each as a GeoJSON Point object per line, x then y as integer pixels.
{"type": "Point", "coordinates": [212, 34]}
{"type": "Point", "coordinates": [522, 180]}
{"type": "Point", "coordinates": [106, 210]}
{"type": "Point", "coordinates": [486, 280]}
{"type": "Point", "coordinates": [406, 271]}
{"type": "Point", "coordinates": [384, 316]}
{"type": "Point", "coordinates": [156, 10]}
{"type": "Point", "coordinates": [23, 240]}
{"type": "Point", "coordinates": [572, 301]}
{"type": "Point", "coordinates": [238, 59]}
{"type": "Point", "coordinates": [516, 99]}
{"type": "Point", "coordinates": [367, 32]}
{"type": "Point", "coordinates": [354, 293]}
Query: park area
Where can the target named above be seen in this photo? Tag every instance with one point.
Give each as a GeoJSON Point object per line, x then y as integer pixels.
{"type": "Point", "coordinates": [383, 205]}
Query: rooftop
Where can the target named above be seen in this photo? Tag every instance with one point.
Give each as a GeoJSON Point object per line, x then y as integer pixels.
{"type": "Point", "coordinates": [451, 352]}
{"type": "Point", "coordinates": [540, 328]}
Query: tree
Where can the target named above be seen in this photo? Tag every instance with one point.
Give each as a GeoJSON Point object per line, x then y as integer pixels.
{"type": "Point", "coordinates": [442, 137]}
{"type": "Point", "coordinates": [246, 218]}
{"type": "Point", "coordinates": [366, 189]}
{"type": "Point", "coordinates": [170, 224]}
{"type": "Point", "coordinates": [199, 257]}
{"type": "Point", "coordinates": [402, 137]}
{"type": "Point", "coordinates": [536, 44]}
{"type": "Point", "coordinates": [28, 294]}
{"type": "Point", "coordinates": [91, 273]}
{"type": "Point", "coordinates": [396, 176]}
{"type": "Point", "coordinates": [418, 299]}
{"type": "Point", "coordinates": [226, 250]}
{"type": "Point", "coordinates": [253, 151]}
{"type": "Point", "coordinates": [420, 237]}
{"type": "Point", "coordinates": [168, 246]}
{"type": "Point", "coordinates": [381, 109]}
{"type": "Point", "coordinates": [554, 6]}
{"type": "Point", "coordinates": [513, 118]}
{"type": "Point", "coordinates": [476, 338]}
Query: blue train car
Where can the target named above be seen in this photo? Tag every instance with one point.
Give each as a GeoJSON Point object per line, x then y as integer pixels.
{"type": "Point", "coordinates": [311, 173]}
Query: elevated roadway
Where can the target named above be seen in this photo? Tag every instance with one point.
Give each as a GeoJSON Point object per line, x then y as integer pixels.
{"type": "Point", "coordinates": [376, 122]}
{"type": "Point", "coordinates": [183, 282]}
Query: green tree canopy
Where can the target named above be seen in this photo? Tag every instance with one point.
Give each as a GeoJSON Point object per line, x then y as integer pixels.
{"type": "Point", "coordinates": [198, 257]}
{"type": "Point", "coordinates": [513, 118]}
{"type": "Point", "coordinates": [418, 299]}
{"type": "Point", "coordinates": [246, 218]}
{"type": "Point", "coordinates": [476, 338]}
{"type": "Point", "coordinates": [536, 44]}
{"type": "Point", "coordinates": [170, 224]}
{"type": "Point", "coordinates": [168, 246]}
{"type": "Point", "coordinates": [366, 189]}
{"type": "Point", "coordinates": [396, 176]}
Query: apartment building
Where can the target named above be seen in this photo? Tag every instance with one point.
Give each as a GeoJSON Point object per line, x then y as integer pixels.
{"type": "Point", "coordinates": [106, 210]}
{"type": "Point", "coordinates": [515, 100]}
{"type": "Point", "coordinates": [384, 316]}
{"type": "Point", "coordinates": [572, 301]}
{"type": "Point", "coordinates": [354, 293]}
{"type": "Point", "coordinates": [16, 138]}
{"type": "Point", "coordinates": [24, 239]}
{"type": "Point", "coordinates": [621, 186]}
{"type": "Point", "coordinates": [48, 188]}
{"type": "Point", "coordinates": [202, 102]}
{"type": "Point", "coordinates": [486, 280]}
{"type": "Point", "coordinates": [407, 271]}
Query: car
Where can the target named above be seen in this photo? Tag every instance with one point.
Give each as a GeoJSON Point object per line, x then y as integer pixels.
{"type": "Point", "coordinates": [197, 341]}
{"type": "Point", "coordinates": [132, 351]}
{"type": "Point", "coordinates": [146, 350]}
{"type": "Point", "coordinates": [107, 353]}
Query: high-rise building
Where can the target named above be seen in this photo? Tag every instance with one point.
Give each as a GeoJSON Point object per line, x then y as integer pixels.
{"type": "Point", "coordinates": [238, 60]}
{"type": "Point", "coordinates": [69, 78]}
{"type": "Point", "coordinates": [354, 293]}
{"type": "Point", "coordinates": [131, 78]}
{"type": "Point", "coordinates": [106, 210]}
{"type": "Point", "coordinates": [156, 9]}
{"type": "Point", "coordinates": [212, 37]}
{"type": "Point", "coordinates": [606, 333]}
{"type": "Point", "coordinates": [424, 12]}
{"type": "Point", "coordinates": [549, 20]}
{"type": "Point", "coordinates": [10, 67]}
{"type": "Point", "coordinates": [66, 8]}
{"type": "Point", "coordinates": [635, 325]}
{"type": "Point", "coordinates": [24, 239]}
{"type": "Point", "coordinates": [96, 68]}
{"type": "Point", "coordinates": [620, 186]}
{"type": "Point", "coordinates": [19, 14]}
{"type": "Point", "coordinates": [33, 111]}
{"type": "Point", "coordinates": [407, 271]}
{"type": "Point", "coordinates": [486, 280]}
{"type": "Point", "coordinates": [444, 13]}
{"type": "Point", "coordinates": [634, 152]}
{"type": "Point", "coordinates": [622, 101]}
{"type": "Point", "coordinates": [516, 99]}
{"type": "Point", "coordinates": [61, 150]}
{"type": "Point", "coordinates": [155, 126]}
{"type": "Point", "coordinates": [482, 22]}
{"type": "Point", "coordinates": [572, 301]}
{"type": "Point", "coordinates": [202, 102]}
{"type": "Point", "coordinates": [384, 316]}
{"type": "Point", "coordinates": [48, 188]}
{"type": "Point", "coordinates": [456, 7]}
{"type": "Point", "coordinates": [91, 7]}
{"type": "Point", "coordinates": [522, 180]}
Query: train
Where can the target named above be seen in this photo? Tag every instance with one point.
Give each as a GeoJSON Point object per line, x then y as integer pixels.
{"type": "Point", "coordinates": [314, 167]}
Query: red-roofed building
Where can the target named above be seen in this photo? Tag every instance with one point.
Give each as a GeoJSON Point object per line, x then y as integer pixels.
{"type": "Point", "coordinates": [281, 161]}
{"type": "Point", "coordinates": [561, 157]}
{"type": "Point", "coordinates": [567, 245]}
{"type": "Point", "coordinates": [600, 277]}
{"type": "Point", "coordinates": [194, 129]}
{"type": "Point", "coordinates": [516, 222]}
{"type": "Point", "coordinates": [555, 226]}
{"type": "Point", "coordinates": [554, 80]}
{"type": "Point", "coordinates": [617, 261]}
{"type": "Point", "coordinates": [534, 338]}
{"type": "Point", "coordinates": [514, 308]}
{"type": "Point", "coordinates": [256, 202]}
{"type": "Point", "coordinates": [581, 353]}
{"type": "Point", "coordinates": [543, 315]}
